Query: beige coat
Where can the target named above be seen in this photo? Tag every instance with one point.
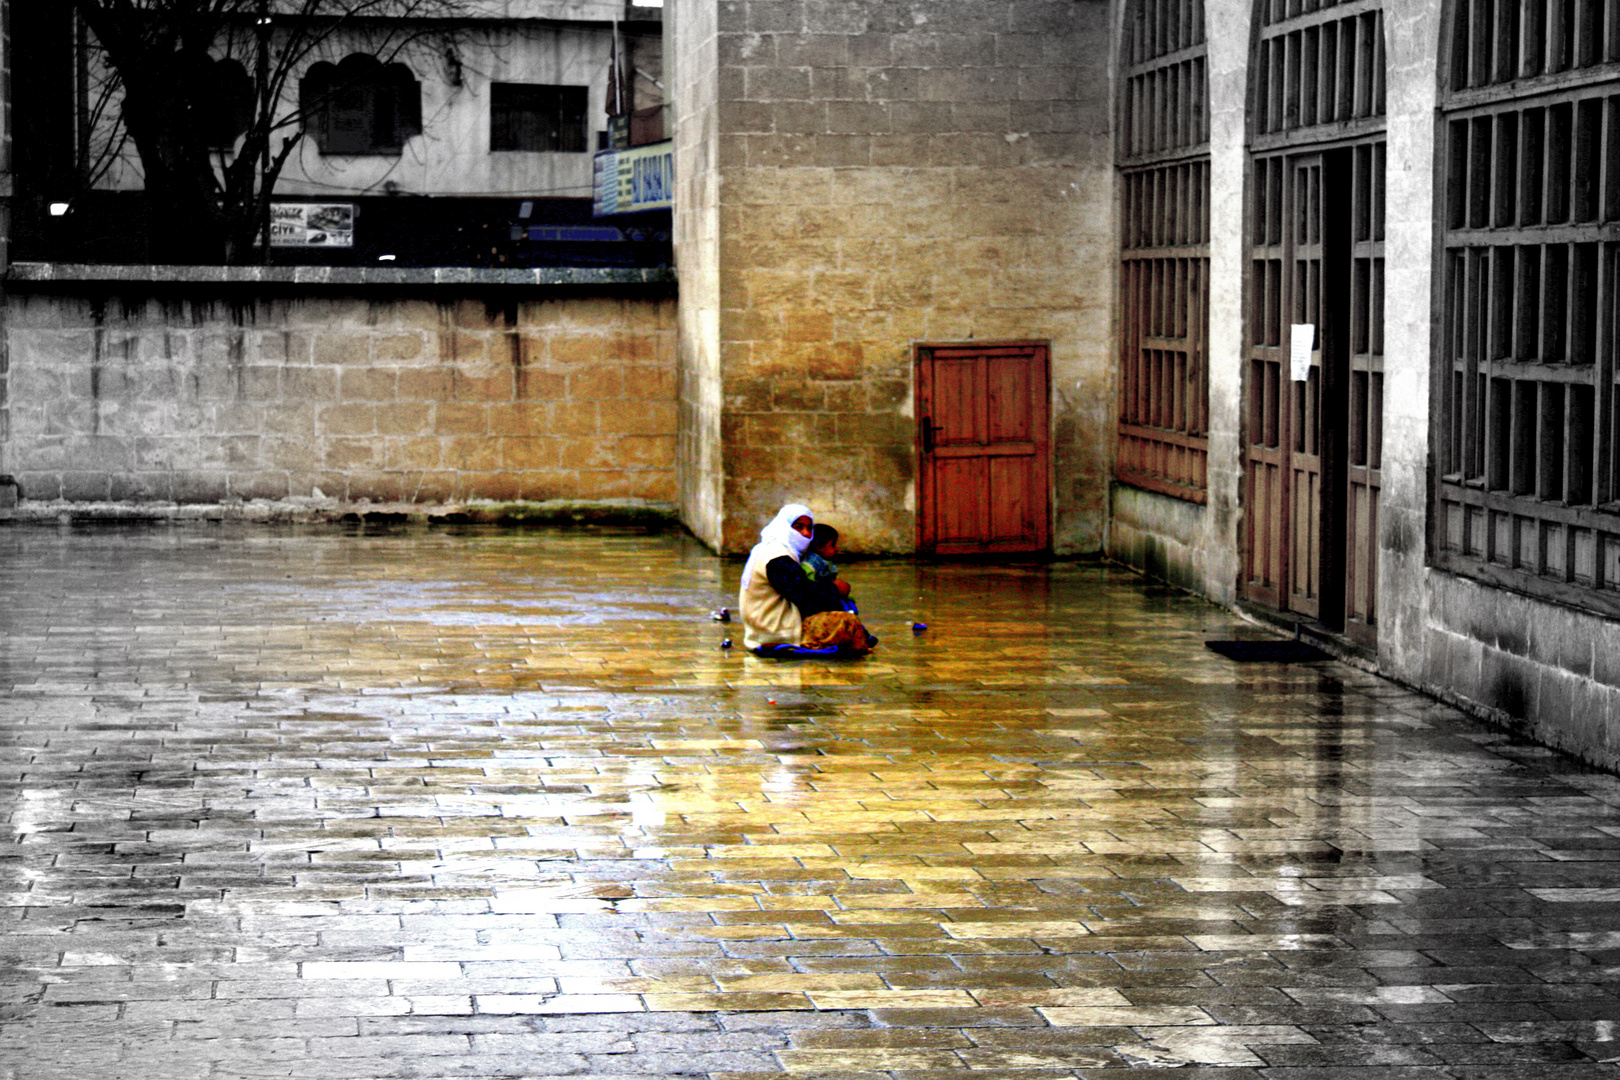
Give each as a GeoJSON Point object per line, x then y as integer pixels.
{"type": "Point", "coordinates": [769, 618]}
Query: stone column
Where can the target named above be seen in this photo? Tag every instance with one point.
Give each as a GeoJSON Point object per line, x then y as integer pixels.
{"type": "Point", "coordinates": [692, 77]}
{"type": "Point", "coordinates": [8, 489]}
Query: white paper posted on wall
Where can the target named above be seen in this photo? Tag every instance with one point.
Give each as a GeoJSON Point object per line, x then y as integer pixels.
{"type": "Point", "coordinates": [1301, 337]}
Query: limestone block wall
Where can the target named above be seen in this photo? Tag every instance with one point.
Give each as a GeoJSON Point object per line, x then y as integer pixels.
{"type": "Point", "coordinates": [132, 392]}
{"type": "Point", "coordinates": [1547, 670]}
{"type": "Point", "coordinates": [1159, 536]}
{"type": "Point", "coordinates": [891, 174]}
{"type": "Point", "coordinates": [1413, 41]}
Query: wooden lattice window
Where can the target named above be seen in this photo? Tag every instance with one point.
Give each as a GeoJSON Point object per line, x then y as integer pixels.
{"type": "Point", "coordinates": [536, 117]}
{"type": "Point", "coordinates": [1320, 63]}
{"type": "Point", "coordinates": [1527, 451]}
{"type": "Point", "coordinates": [1164, 161]}
{"type": "Point", "coordinates": [1313, 432]}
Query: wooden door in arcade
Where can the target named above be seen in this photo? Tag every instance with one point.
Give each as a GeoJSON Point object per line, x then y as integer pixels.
{"type": "Point", "coordinates": [1313, 435]}
{"type": "Point", "coordinates": [983, 437]}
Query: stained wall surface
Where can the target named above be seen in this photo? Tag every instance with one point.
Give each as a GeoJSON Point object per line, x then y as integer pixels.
{"type": "Point", "coordinates": [887, 174]}
{"type": "Point", "coordinates": [127, 395]}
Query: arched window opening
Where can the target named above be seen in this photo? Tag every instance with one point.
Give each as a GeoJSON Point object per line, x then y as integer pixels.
{"type": "Point", "coordinates": [1313, 413]}
{"type": "Point", "coordinates": [1526, 435]}
{"type": "Point", "coordinates": [1164, 272]}
{"type": "Point", "coordinates": [360, 105]}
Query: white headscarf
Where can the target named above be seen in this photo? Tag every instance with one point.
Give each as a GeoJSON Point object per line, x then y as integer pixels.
{"type": "Point", "coordinates": [776, 539]}
{"type": "Point", "coordinates": [780, 530]}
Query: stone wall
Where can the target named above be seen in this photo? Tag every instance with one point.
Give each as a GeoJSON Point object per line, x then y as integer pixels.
{"type": "Point", "coordinates": [130, 390]}
{"type": "Point", "coordinates": [1549, 671]}
{"type": "Point", "coordinates": [890, 174]}
{"type": "Point", "coordinates": [1158, 536]}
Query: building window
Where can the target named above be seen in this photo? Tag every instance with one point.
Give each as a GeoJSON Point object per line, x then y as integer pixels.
{"type": "Point", "coordinates": [1164, 272]}
{"type": "Point", "coordinates": [360, 106]}
{"type": "Point", "coordinates": [1527, 435]}
{"type": "Point", "coordinates": [1313, 429]}
{"type": "Point", "coordinates": [532, 117]}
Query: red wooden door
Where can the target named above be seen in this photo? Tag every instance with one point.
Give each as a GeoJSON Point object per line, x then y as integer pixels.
{"type": "Point", "coordinates": [983, 420]}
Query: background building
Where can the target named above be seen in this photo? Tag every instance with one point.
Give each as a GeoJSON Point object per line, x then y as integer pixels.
{"type": "Point", "coordinates": [479, 334]}
{"type": "Point", "coordinates": [466, 142]}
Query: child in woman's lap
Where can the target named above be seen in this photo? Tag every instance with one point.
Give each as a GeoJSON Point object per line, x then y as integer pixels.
{"type": "Point", "coordinates": [820, 569]}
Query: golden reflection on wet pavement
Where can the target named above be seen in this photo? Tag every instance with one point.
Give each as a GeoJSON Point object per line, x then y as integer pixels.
{"type": "Point", "coordinates": [486, 804]}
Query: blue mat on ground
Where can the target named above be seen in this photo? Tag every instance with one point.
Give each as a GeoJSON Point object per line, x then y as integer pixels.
{"type": "Point", "coordinates": [797, 652]}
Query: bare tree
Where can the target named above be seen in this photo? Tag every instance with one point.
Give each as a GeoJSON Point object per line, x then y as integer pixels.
{"type": "Point", "coordinates": [162, 58]}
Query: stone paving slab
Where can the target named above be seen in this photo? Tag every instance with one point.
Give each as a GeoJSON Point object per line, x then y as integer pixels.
{"type": "Point", "coordinates": [473, 803]}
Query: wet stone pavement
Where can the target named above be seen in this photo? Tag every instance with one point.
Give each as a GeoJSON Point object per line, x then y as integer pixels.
{"type": "Point", "coordinates": [486, 804]}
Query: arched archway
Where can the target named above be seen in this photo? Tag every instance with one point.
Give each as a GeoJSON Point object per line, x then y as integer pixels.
{"type": "Point", "coordinates": [1526, 432]}
{"type": "Point", "coordinates": [1163, 157]}
{"type": "Point", "coordinates": [1314, 427]}
{"type": "Point", "coordinates": [360, 105]}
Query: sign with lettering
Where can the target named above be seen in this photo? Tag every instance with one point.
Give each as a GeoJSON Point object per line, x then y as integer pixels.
{"type": "Point", "coordinates": [312, 224]}
{"type": "Point", "coordinates": [635, 178]}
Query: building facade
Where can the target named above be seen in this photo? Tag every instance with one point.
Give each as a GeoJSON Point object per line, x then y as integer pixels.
{"type": "Point", "coordinates": [1410, 343]}
{"type": "Point", "coordinates": [1346, 361]}
{"type": "Point", "coordinates": [461, 133]}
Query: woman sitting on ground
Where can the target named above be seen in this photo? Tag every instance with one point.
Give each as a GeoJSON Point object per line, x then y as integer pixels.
{"type": "Point", "coordinates": [779, 604]}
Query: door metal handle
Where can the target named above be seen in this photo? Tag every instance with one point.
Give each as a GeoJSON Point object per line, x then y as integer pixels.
{"type": "Point", "coordinates": [928, 430]}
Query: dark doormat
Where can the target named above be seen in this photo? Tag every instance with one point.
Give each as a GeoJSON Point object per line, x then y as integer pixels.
{"type": "Point", "coordinates": [1269, 650]}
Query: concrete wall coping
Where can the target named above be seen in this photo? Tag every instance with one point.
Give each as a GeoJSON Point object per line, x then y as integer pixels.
{"type": "Point", "coordinates": [348, 276]}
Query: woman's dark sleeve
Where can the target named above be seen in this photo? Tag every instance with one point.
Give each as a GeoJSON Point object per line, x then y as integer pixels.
{"type": "Point", "coordinates": [788, 578]}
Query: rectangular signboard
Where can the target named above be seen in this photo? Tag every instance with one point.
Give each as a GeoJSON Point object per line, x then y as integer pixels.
{"type": "Point", "coordinates": [312, 224]}
{"type": "Point", "coordinates": [635, 178]}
